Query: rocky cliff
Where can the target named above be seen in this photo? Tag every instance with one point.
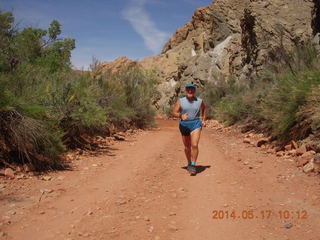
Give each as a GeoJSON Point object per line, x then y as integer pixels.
{"type": "Point", "coordinates": [232, 38]}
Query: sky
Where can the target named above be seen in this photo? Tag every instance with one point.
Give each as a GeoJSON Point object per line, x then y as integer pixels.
{"type": "Point", "coordinates": [107, 29]}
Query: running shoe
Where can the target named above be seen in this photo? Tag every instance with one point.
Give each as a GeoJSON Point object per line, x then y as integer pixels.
{"type": "Point", "coordinates": [192, 170]}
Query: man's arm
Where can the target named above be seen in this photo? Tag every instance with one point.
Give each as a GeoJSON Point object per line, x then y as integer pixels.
{"type": "Point", "coordinates": [203, 113]}
{"type": "Point", "coordinates": [176, 110]}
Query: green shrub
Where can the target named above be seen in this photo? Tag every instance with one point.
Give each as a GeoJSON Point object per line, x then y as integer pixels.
{"type": "Point", "coordinates": [231, 109]}
{"type": "Point", "coordinates": [45, 107]}
{"type": "Point", "coordinates": [310, 114]}
{"type": "Point", "coordinates": [140, 88]}
{"type": "Point", "coordinates": [286, 99]}
{"type": "Point", "coordinates": [283, 100]}
{"type": "Point", "coordinates": [114, 101]}
{"type": "Point", "coordinates": [127, 97]}
{"type": "Point", "coordinates": [29, 116]}
{"type": "Point", "coordinates": [225, 102]}
{"type": "Point", "coordinates": [30, 141]}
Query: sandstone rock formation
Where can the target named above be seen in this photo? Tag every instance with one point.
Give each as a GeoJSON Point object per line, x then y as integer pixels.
{"type": "Point", "coordinates": [114, 67]}
{"type": "Point", "coordinates": [232, 38]}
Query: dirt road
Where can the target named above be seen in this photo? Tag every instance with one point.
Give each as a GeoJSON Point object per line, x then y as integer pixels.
{"type": "Point", "coordinates": [140, 190]}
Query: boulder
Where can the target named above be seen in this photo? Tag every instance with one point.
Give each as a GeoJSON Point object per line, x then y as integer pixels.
{"type": "Point", "coordinates": [302, 161]}
{"type": "Point", "coordinates": [301, 150]}
{"type": "Point", "coordinates": [280, 154]}
{"type": "Point", "coordinates": [8, 172]}
{"type": "Point", "coordinates": [292, 152]}
{"type": "Point", "coordinates": [277, 148]}
{"type": "Point", "coordinates": [262, 141]}
{"type": "Point", "coordinates": [317, 158]}
{"type": "Point", "coordinates": [311, 167]}
{"type": "Point", "coordinates": [271, 151]}
{"type": "Point", "coordinates": [294, 145]}
{"type": "Point", "coordinates": [119, 137]}
{"type": "Point", "coordinates": [308, 154]}
{"type": "Point", "coordinates": [288, 147]}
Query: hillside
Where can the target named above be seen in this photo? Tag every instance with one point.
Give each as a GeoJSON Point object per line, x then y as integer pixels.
{"type": "Point", "coordinates": [232, 38]}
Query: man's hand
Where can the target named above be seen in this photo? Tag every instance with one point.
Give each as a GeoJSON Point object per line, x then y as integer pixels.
{"type": "Point", "coordinates": [204, 123]}
{"type": "Point", "coordinates": [184, 116]}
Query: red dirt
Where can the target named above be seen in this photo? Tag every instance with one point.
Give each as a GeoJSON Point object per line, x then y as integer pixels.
{"type": "Point", "coordinates": [141, 191]}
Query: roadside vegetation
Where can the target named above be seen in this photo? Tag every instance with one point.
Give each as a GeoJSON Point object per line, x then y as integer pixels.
{"type": "Point", "coordinates": [46, 107]}
{"type": "Point", "coordinates": [284, 101]}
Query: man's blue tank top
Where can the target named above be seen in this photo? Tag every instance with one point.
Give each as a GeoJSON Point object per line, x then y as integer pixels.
{"type": "Point", "coordinates": [192, 108]}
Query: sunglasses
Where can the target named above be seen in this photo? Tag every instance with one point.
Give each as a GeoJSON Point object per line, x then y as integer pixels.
{"type": "Point", "coordinates": [190, 89]}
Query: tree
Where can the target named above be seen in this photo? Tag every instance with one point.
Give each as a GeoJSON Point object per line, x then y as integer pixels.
{"type": "Point", "coordinates": [7, 32]}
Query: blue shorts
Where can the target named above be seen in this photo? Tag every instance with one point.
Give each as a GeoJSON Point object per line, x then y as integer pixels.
{"type": "Point", "coordinates": [186, 127]}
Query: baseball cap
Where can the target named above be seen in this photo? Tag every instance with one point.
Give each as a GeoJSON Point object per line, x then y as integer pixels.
{"type": "Point", "coordinates": [190, 85]}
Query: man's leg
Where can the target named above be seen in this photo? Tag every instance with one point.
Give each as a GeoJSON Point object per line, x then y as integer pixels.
{"type": "Point", "coordinates": [187, 147]}
{"type": "Point", "coordinates": [195, 137]}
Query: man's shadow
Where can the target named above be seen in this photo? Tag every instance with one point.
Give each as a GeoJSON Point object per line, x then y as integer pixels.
{"type": "Point", "coordinates": [199, 168]}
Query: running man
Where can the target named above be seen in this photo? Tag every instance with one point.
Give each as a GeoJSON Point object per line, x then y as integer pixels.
{"type": "Point", "coordinates": [188, 110]}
